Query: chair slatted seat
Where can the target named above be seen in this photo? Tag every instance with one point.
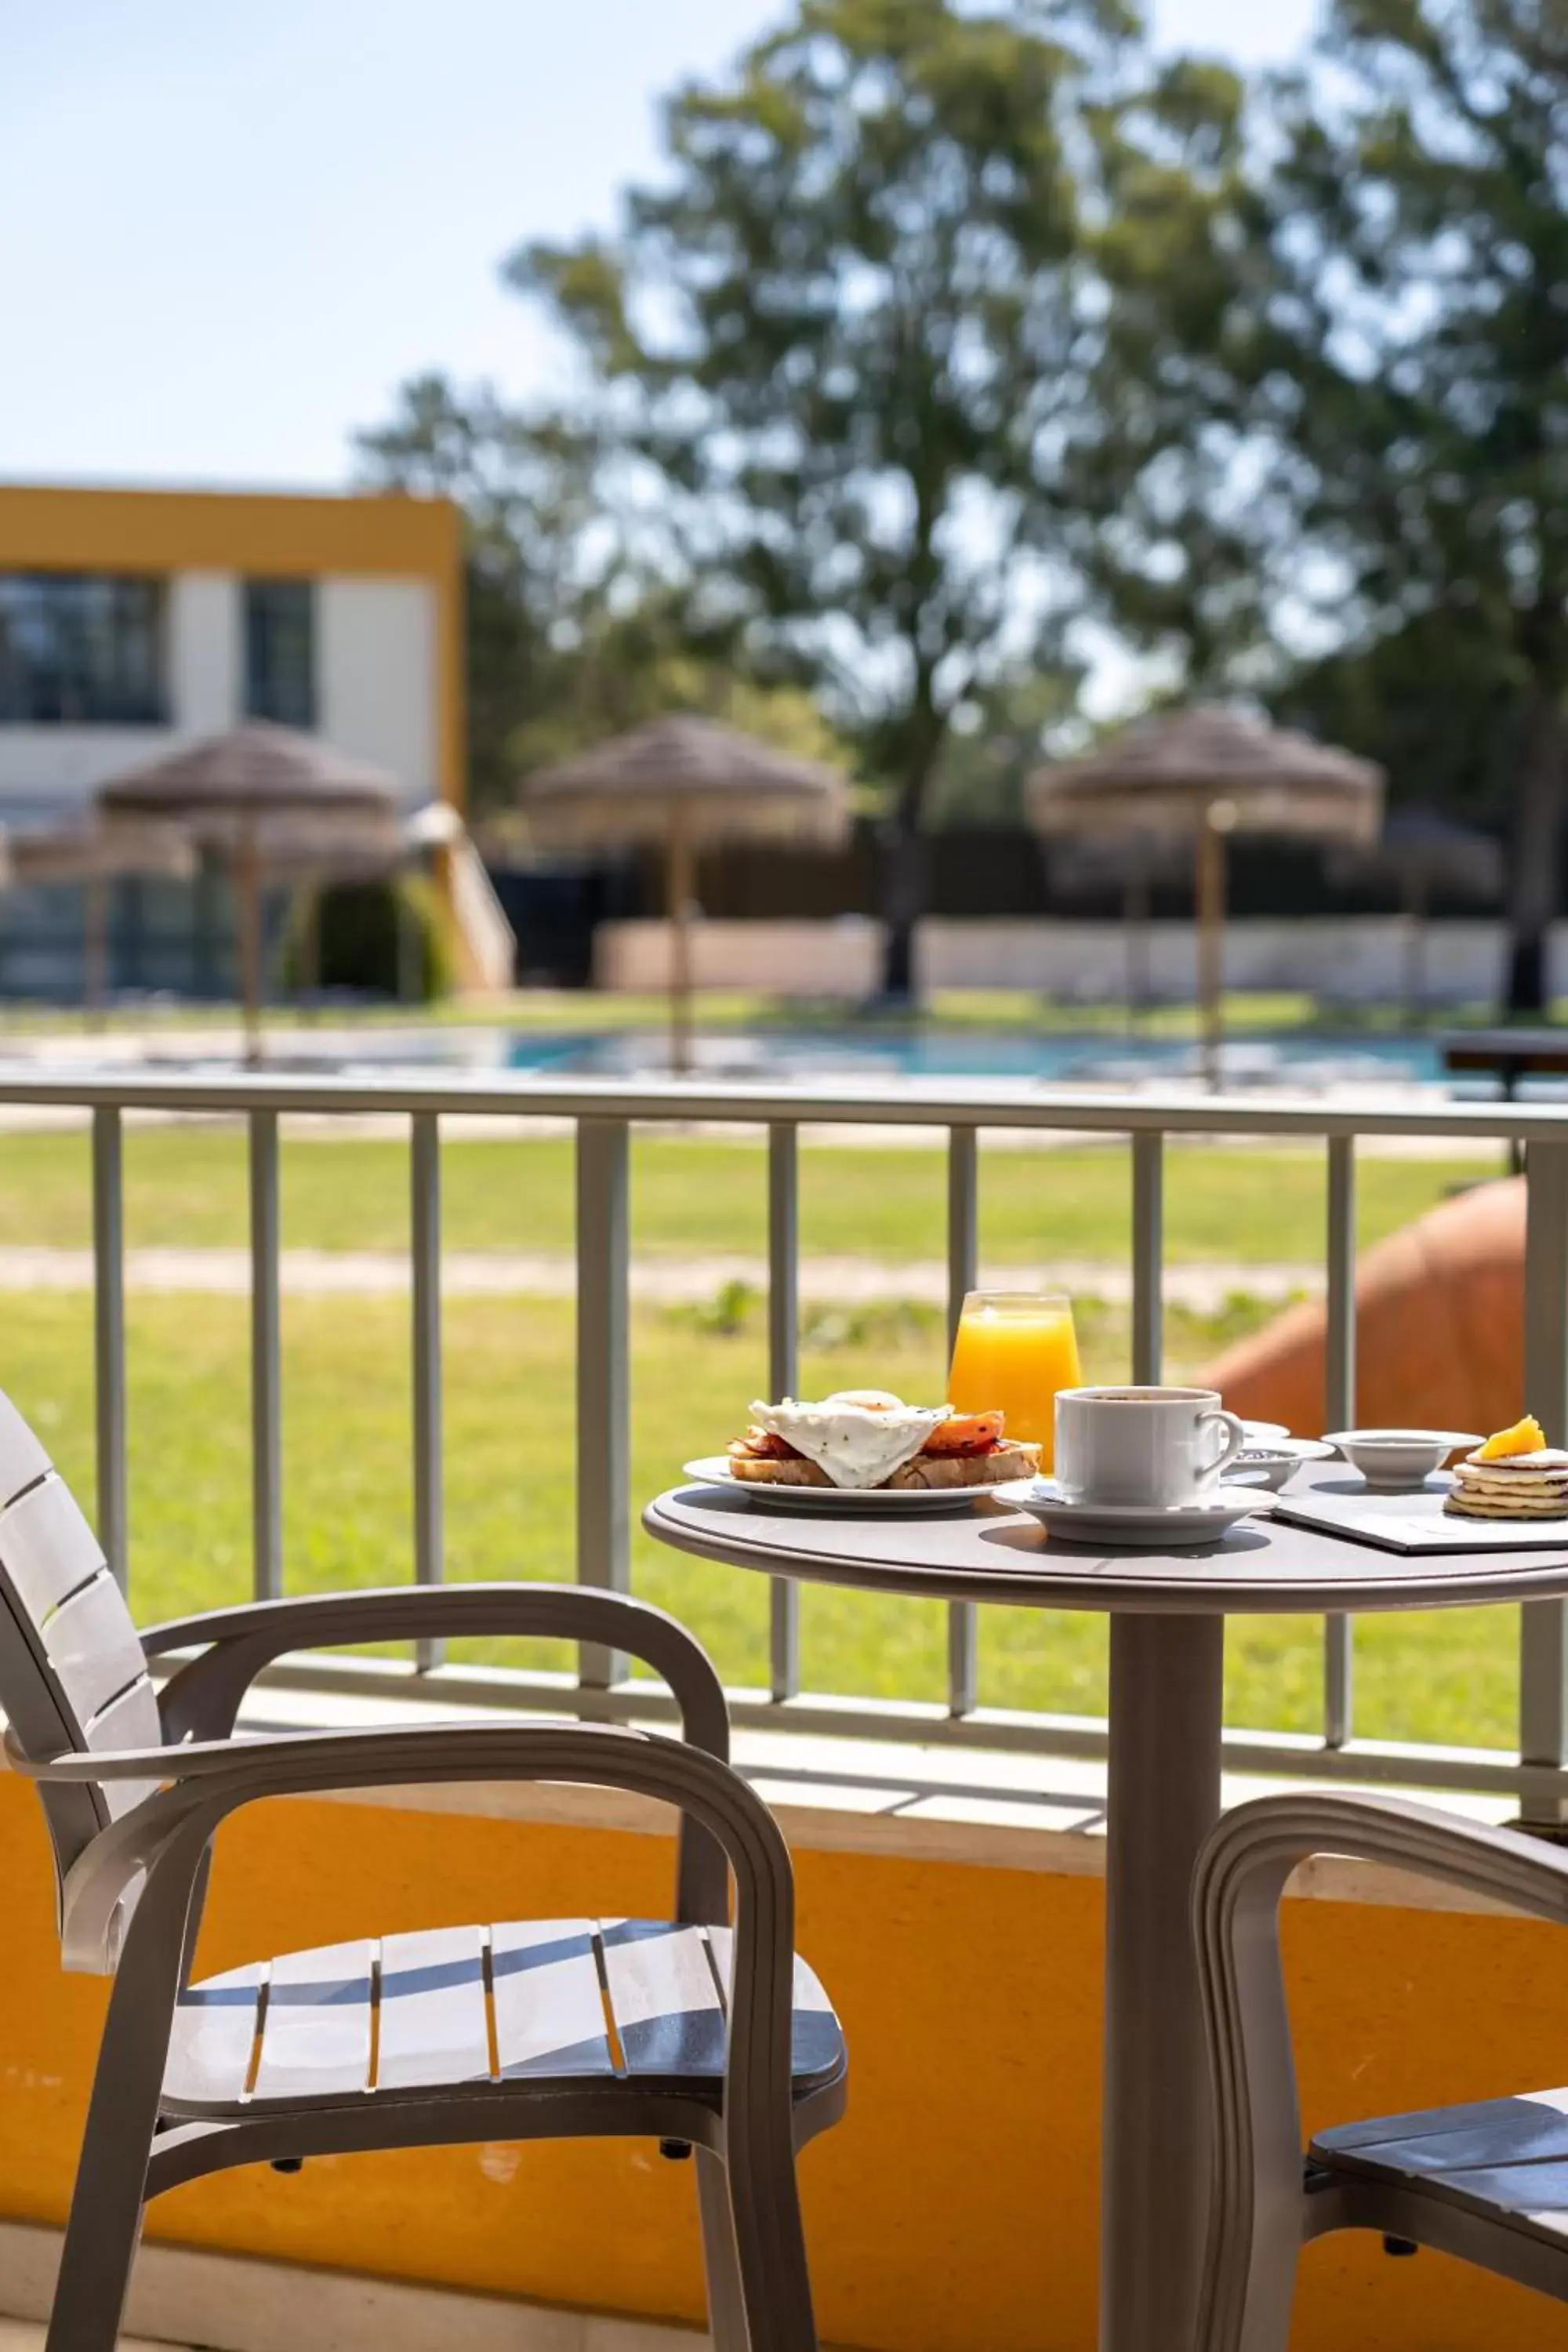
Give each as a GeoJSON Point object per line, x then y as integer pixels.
{"type": "Point", "coordinates": [1506, 2158]}
{"type": "Point", "coordinates": [697, 2030]}
{"type": "Point", "coordinates": [414, 2011]}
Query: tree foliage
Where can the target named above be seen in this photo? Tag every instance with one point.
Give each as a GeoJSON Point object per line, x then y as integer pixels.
{"type": "Point", "coordinates": [1416, 364]}
{"type": "Point", "coordinates": [571, 632]}
{"type": "Point", "coordinates": [855, 334]}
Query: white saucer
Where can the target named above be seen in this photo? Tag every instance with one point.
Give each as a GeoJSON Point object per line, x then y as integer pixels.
{"type": "Point", "coordinates": [837, 1502]}
{"type": "Point", "coordinates": [1155, 1526]}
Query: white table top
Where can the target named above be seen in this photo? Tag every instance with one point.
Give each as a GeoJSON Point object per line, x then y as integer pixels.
{"type": "Point", "coordinates": [1261, 1566]}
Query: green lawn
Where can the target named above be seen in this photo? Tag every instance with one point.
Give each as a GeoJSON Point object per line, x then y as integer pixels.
{"type": "Point", "coordinates": [187, 1185]}
{"type": "Point", "coordinates": [509, 1457]}
{"type": "Point", "coordinates": [1019, 1010]}
{"type": "Point", "coordinates": [1015, 1009]}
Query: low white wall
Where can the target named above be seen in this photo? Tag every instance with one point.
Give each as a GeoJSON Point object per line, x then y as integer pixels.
{"type": "Point", "coordinates": [1355, 958]}
{"type": "Point", "coordinates": [789, 959]}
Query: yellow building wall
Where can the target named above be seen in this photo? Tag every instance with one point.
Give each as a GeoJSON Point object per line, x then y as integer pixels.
{"type": "Point", "coordinates": [45, 529]}
{"type": "Point", "coordinates": [954, 2210]}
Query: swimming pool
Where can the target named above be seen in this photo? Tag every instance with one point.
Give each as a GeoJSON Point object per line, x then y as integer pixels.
{"type": "Point", "coordinates": [1289, 1058]}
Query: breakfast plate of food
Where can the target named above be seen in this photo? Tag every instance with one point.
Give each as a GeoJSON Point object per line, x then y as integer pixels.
{"type": "Point", "coordinates": [865, 1449]}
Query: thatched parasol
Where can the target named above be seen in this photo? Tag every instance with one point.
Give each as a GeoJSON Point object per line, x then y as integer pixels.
{"type": "Point", "coordinates": [1424, 853]}
{"type": "Point", "coordinates": [83, 849]}
{"type": "Point", "coordinates": [685, 783]}
{"type": "Point", "coordinates": [1199, 775]}
{"type": "Point", "coordinates": [253, 794]}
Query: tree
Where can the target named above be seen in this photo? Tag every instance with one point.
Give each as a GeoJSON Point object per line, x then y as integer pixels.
{"type": "Point", "coordinates": [999, 741]}
{"type": "Point", "coordinates": [1418, 363]}
{"type": "Point", "coordinates": [1432, 703]}
{"type": "Point", "coordinates": [529, 489]}
{"type": "Point", "coordinates": [1184, 511]}
{"type": "Point", "coordinates": [571, 632]}
{"type": "Point", "coordinates": [853, 335]}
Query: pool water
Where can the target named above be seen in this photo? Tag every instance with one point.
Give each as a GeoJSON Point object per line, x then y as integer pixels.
{"type": "Point", "coordinates": [1289, 1058]}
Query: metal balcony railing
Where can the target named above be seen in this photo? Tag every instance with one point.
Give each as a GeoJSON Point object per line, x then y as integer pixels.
{"type": "Point", "coordinates": [603, 1115]}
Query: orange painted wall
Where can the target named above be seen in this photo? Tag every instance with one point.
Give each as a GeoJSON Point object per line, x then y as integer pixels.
{"type": "Point", "coordinates": [954, 2211]}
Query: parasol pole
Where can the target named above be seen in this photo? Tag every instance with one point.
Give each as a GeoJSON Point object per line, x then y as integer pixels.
{"type": "Point", "coordinates": [1218, 817]}
{"type": "Point", "coordinates": [95, 948]}
{"type": "Point", "coordinates": [1135, 934]}
{"type": "Point", "coordinates": [680, 890]}
{"type": "Point", "coordinates": [1414, 949]}
{"type": "Point", "coordinates": [308, 933]}
{"type": "Point", "coordinates": [247, 878]}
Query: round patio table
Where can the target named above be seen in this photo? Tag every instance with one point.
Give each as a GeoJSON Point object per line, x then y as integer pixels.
{"type": "Point", "coordinates": [1167, 1617]}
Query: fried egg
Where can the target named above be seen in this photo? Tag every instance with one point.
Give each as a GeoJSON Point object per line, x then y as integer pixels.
{"type": "Point", "coordinates": [858, 1438]}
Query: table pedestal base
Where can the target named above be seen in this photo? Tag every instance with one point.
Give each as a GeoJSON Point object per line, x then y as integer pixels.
{"type": "Point", "coordinates": [1166, 1711]}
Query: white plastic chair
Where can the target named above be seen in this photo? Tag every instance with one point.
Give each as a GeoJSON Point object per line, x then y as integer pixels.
{"type": "Point", "coordinates": [700, 2036]}
{"type": "Point", "coordinates": [1487, 2181]}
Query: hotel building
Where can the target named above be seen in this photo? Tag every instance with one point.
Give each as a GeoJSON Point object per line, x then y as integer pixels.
{"type": "Point", "coordinates": [133, 620]}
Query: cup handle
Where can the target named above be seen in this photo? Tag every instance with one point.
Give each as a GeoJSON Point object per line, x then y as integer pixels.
{"type": "Point", "coordinates": [1235, 1439]}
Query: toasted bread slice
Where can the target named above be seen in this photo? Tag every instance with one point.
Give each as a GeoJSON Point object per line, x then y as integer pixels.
{"type": "Point", "coordinates": [1008, 1460]}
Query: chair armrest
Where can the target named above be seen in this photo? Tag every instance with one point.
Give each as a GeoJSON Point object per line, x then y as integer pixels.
{"type": "Point", "coordinates": [1256, 1846]}
{"type": "Point", "coordinates": [204, 1697]}
{"type": "Point", "coordinates": [167, 1836]}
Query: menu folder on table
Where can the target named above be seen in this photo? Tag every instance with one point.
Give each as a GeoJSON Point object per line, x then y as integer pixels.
{"type": "Point", "coordinates": [1414, 1522]}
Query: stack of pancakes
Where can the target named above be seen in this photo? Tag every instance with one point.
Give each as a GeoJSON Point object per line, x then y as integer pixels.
{"type": "Point", "coordinates": [1515, 1486]}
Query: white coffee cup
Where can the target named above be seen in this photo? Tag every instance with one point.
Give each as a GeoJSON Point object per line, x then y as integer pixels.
{"type": "Point", "coordinates": [1148, 1445]}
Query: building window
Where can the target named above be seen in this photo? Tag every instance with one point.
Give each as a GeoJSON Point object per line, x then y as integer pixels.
{"type": "Point", "coordinates": [82, 649]}
{"type": "Point", "coordinates": [280, 651]}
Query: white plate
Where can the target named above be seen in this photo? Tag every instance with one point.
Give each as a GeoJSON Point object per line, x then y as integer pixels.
{"type": "Point", "coordinates": [1156, 1527]}
{"type": "Point", "coordinates": [868, 1502]}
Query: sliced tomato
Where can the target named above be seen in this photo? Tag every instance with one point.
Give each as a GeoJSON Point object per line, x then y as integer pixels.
{"type": "Point", "coordinates": [965, 1433]}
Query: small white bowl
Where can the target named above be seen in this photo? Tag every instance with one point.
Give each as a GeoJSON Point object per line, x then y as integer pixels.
{"type": "Point", "coordinates": [1271, 1462]}
{"type": "Point", "coordinates": [1399, 1457]}
{"type": "Point", "coordinates": [1266, 1434]}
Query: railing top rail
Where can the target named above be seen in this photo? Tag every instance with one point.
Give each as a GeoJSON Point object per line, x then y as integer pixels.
{"type": "Point", "coordinates": [1079, 1110]}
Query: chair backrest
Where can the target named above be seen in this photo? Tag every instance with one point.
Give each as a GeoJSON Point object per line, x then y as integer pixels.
{"type": "Point", "coordinates": [73, 1673]}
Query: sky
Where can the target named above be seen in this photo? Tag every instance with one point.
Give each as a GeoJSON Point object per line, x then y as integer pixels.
{"type": "Point", "coordinates": [229, 231]}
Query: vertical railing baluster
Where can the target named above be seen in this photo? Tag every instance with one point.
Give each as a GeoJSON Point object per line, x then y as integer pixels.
{"type": "Point", "coordinates": [962, 1272]}
{"type": "Point", "coordinates": [1339, 1396]}
{"type": "Point", "coordinates": [1543, 1625]}
{"type": "Point", "coordinates": [1148, 1255]}
{"type": "Point", "coordinates": [109, 1338]}
{"type": "Point", "coordinates": [265, 1392]}
{"type": "Point", "coordinates": [783, 1359]}
{"type": "Point", "coordinates": [604, 1386]}
{"type": "Point", "coordinates": [430, 1515]}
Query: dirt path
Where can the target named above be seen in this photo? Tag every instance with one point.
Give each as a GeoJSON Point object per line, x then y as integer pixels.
{"type": "Point", "coordinates": [472, 1274]}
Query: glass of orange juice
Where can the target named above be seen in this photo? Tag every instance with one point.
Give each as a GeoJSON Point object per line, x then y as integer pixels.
{"type": "Point", "coordinates": [1014, 1350]}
